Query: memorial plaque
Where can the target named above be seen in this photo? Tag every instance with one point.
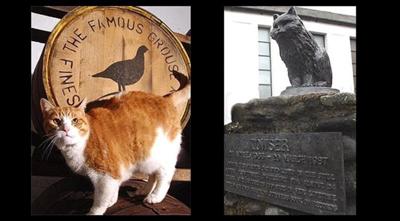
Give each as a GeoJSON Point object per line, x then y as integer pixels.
{"type": "Point", "coordinates": [301, 171]}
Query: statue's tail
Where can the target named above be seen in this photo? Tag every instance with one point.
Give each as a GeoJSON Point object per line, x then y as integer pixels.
{"type": "Point", "coordinates": [328, 70]}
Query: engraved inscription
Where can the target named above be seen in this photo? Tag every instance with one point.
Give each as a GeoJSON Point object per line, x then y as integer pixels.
{"type": "Point", "coordinates": [299, 171]}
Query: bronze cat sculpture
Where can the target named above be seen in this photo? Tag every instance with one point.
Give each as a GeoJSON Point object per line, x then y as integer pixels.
{"type": "Point", "coordinates": [308, 64]}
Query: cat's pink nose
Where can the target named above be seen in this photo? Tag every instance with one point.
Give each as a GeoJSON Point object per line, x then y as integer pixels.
{"type": "Point", "coordinates": [66, 129]}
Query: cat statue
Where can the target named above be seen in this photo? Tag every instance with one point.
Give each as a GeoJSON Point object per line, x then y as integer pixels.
{"type": "Point", "coordinates": [135, 131]}
{"type": "Point", "coordinates": [308, 64]}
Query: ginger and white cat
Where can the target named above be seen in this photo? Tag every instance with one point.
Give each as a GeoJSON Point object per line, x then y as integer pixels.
{"type": "Point", "coordinates": [134, 132]}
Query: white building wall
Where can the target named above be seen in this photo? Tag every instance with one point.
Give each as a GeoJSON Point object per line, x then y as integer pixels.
{"type": "Point", "coordinates": [241, 62]}
{"type": "Point", "coordinates": [241, 57]}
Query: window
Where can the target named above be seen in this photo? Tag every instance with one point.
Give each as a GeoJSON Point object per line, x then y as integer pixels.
{"type": "Point", "coordinates": [353, 59]}
{"type": "Point", "coordinates": [320, 39]}
{"type": "Point", "coordinates": [264, 63]}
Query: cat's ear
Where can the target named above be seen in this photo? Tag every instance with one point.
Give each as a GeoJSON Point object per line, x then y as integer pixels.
{"type": "Point", "coordinates": [292, 11]}
{"type": "Point", "coordinates": [45, 105]}
{"type": "Point", "coordinates": [275, 16]}
{"type": "Point", "coordinates": [83, 104]}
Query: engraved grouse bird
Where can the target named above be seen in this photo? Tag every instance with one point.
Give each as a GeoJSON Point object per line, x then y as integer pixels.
{"type": "Point", "coordinates": [126, 72]}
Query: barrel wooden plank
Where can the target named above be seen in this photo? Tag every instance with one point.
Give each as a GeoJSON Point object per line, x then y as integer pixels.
{"type": "Point", "coordinates": [95, 52]}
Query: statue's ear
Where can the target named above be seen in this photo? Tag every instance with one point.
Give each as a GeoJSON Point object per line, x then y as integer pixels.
{"type": "Point", "coordinates": [292, 11]}
{"type": "Point", "coordinates": [275, 16]}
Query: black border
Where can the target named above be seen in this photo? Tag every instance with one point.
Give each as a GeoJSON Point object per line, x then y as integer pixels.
{"type": "Point", "coordinates": [377, 99]}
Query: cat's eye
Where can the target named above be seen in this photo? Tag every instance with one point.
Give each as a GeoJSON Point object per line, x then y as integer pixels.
{"type": "Point", "coordinates": [57, 121]}
{"type": "Point", "coordinates": [75, 120]}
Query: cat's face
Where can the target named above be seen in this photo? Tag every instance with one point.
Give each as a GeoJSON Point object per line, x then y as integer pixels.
{"type": "Point", "coordinates": [68, 125]}
{"type": "Point", "coordinates": [286, 25]}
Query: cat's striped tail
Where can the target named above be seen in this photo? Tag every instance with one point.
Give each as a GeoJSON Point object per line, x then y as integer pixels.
{"type": "Point", "coordinates": [181, 96]}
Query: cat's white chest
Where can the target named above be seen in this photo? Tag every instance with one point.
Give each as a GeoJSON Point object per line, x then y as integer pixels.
{"type": "Point", "coordinates": [74, 157]}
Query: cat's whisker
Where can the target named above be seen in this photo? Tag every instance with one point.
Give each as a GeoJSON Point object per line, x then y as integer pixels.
{"type": "Point", "coordinates": [49, 143]}
{"type": "Point", "coordinates": [42, 144]}
{"type": "Point", "coordinates": [46, 149]}
{"type": "Point", "coordinates": [46, 140]}
{"type": "Point", "coordinates": [50, 148]}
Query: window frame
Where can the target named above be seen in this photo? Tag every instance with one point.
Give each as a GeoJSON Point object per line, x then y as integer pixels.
{"type": "Point", "coordinates": [268, 29]}
{"type": "Point", "coordinates": [352, 61]}
{"type": "Point", "coordinates": [314, 33]}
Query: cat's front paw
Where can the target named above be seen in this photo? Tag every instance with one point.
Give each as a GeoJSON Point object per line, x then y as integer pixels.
{"type": "Point", "coordinates": [153, 198]}
{"type": "Point", "coordinates": [321, 84]}
{"type": "Point", "coordinates": [96, 211]}
{"type": "Point", "coordinates": [90, 213]}
{"type": "Point", "coordinates": [113, 201]}
{"type": "Point", "coordinates": [307, 85]}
